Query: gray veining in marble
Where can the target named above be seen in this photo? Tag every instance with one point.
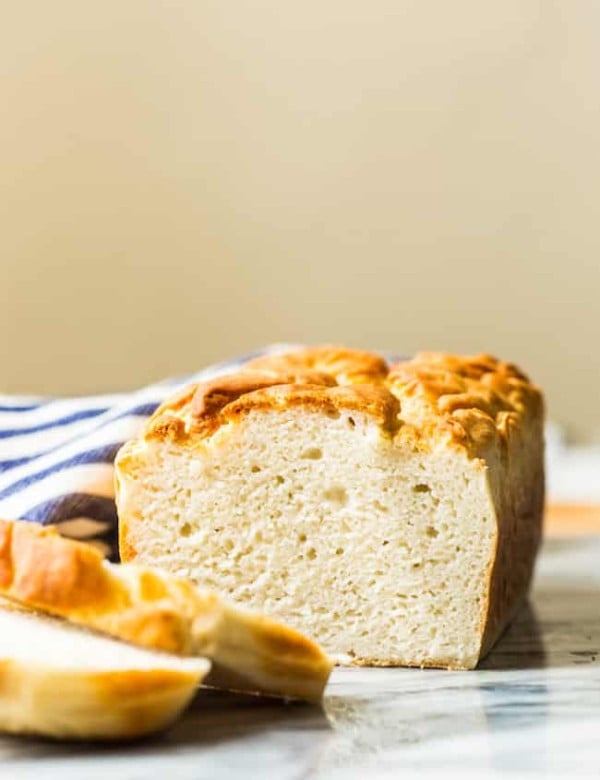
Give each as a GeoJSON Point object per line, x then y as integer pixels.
{"type": "Point", "coordinates": [532, 709]}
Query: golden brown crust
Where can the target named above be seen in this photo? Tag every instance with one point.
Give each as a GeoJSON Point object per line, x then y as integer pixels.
{"type": "Point", "coordinates": [471, 402]}
{"type": "Point", "coordinates": [69, 575]}
{"type": "Point", "coordinates": [369, 399]}
{"type": "Point", "coordinates": [6, 570]}
{"type": "Point", "coordinates": [40, 568]}
{"type": "Point", "coordinates": [212, 396]}
{"type": "Point", "coordinates": [473, 399]}
{"type": "Point", "coordinates": [43, 570]}
{"type": "Point", "coordinates": [346, 366]}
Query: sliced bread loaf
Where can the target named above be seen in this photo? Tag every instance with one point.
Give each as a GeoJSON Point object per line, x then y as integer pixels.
{"type": "Point", "coordinates": [61, 681]}
{"type": "Point", "coordinates": [392, 513]}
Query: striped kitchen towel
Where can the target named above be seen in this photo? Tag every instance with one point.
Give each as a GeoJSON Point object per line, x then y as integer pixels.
{"type": "Point", "coordinates": [56, 455]}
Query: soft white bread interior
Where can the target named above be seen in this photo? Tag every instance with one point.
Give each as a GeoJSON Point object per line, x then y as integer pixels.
{"type": "Point", "coordinates": [150, 608]}
{"type": "Point", "coordinates": [394, 515]}
{"type": "Point", "coordinates": [60, 681]}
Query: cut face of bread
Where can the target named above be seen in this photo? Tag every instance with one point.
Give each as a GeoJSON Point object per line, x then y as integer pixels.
{"type": "Point", "coordinates": [393, 516]}
{"type": "Point", "coordinates": [321, 522]}
{"type": "Point", "coordinates": [60, 681]}
{"type": "Point", "coordinates": [249, 652]}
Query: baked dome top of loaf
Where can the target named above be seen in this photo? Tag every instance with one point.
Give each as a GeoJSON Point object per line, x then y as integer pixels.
{"type": "Point", "coordinates": [434, 398]}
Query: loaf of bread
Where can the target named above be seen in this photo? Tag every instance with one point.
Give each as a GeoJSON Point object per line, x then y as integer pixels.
{"type": "Point", "coordinates": [393, 513]}
{"type": "Point", "coordinates": [249, 652]}
{"type": "Point", "coordinates": [60, 681]}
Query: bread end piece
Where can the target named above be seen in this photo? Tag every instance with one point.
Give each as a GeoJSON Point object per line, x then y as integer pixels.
{"type": "Point", "coordinates": [62, 682]}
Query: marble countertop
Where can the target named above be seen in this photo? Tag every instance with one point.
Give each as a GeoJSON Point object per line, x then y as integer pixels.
{"type": "Point", "coordinates": [532, 709]}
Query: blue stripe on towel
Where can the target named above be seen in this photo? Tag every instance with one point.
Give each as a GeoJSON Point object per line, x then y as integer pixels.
{"type": "Point", "coordinates": [19, 407]}
{"type": "Point", "coordinates": [100, 421]}
{"type": "Point", "coordinates": [85, 414]}
{"type": "Point", "coordinates": [100, 455]}
{"type": "Point", "coordinates": [7, 465]}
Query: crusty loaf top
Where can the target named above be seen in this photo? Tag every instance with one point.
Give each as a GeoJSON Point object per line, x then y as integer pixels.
{"type": "Point", "coordinates": [432, 399]}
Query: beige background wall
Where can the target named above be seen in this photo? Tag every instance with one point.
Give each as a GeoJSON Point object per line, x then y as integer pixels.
{"type": "Point", "coordinates": [183, 181]}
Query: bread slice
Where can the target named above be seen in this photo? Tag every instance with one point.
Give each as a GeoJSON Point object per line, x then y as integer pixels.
{"type": "Point", "coordinates": [60, 681]}
{"type": "Point", "coordinates": [249, 652]}
{"type": "Point", "coordinates": [392, 513]}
